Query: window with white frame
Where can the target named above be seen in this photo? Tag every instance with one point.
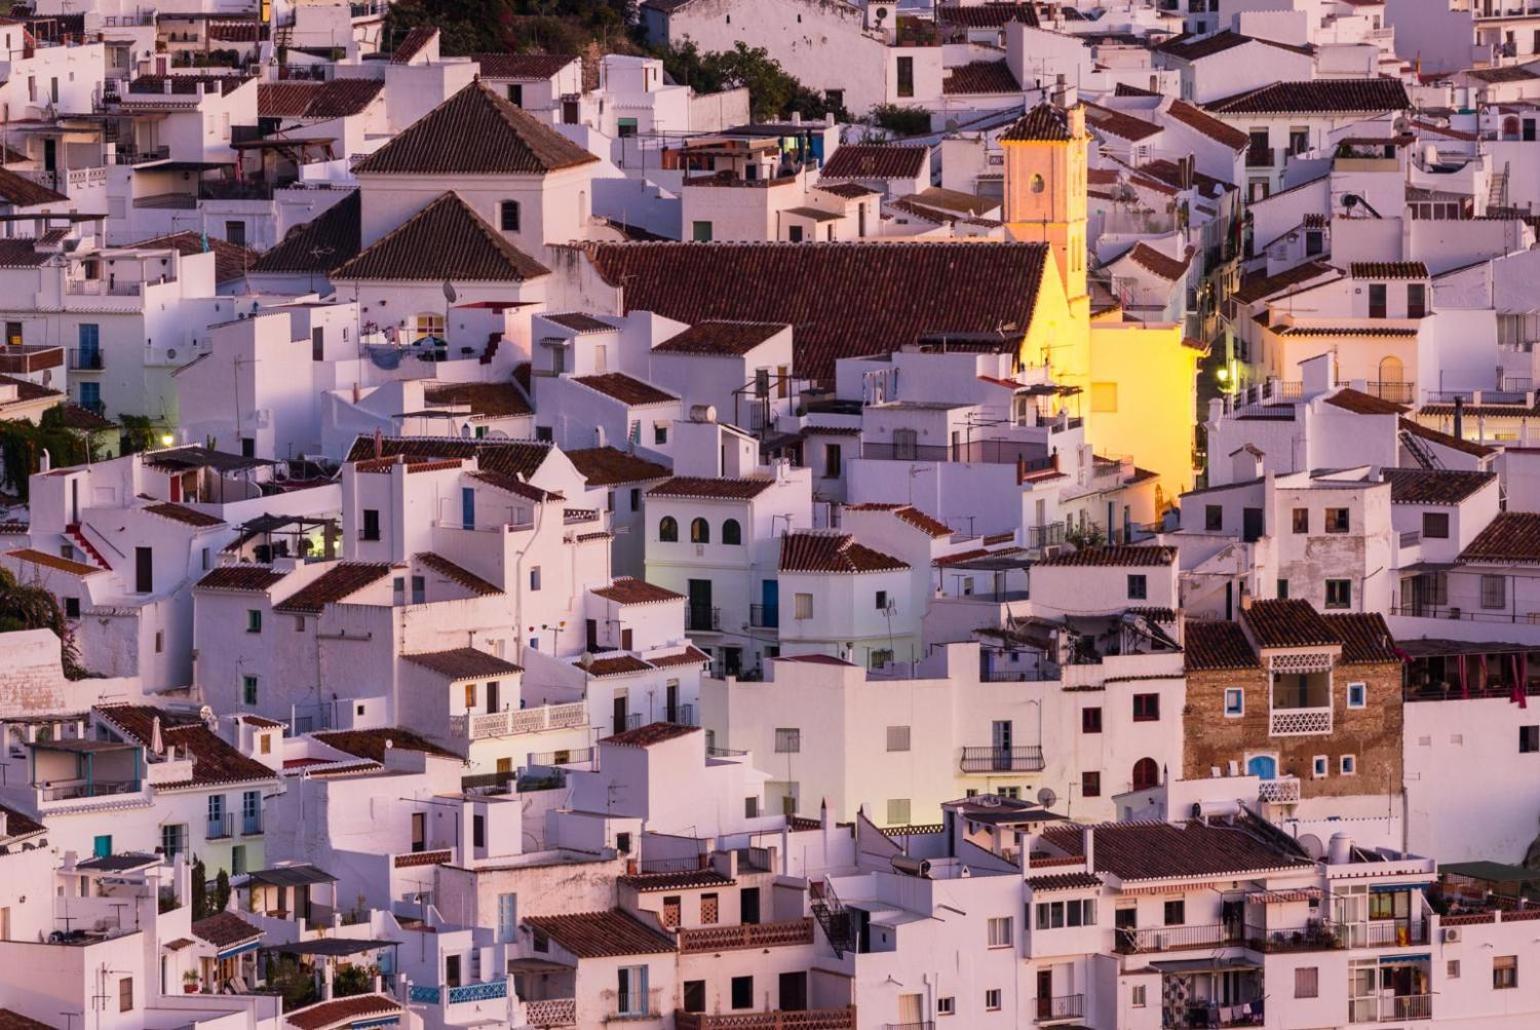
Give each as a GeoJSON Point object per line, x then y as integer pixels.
{"type": "Point", "coordinates": [992, 999]}
{"type": "Point", "coordinates": [1349, 765]}
{"type": "Point", "coordinates": [946, 1006]}
{"type": "Point", "coordinates": [1357, 695]}
{"type": "Point", "coordinates": [1235, 702]}
{"type": "Point", "coordinates": [1137, 999]}
{"type": "Point", "coordinates": [1320, 766]}
{"type": "Point", "coordinates": [1000, 932]}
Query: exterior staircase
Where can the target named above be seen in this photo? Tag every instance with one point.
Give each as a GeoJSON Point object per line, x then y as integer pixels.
{"type": "Point", "coordinates": [832, 916]}
{"type": "Point", "coordinates": [1421, 453]}
{"type": "Point", "coordinates": [494, 340]}
{"type": "Point", "coordinates": [78, 538]}
{"type": "Point", "coordinates": [1497, 193]}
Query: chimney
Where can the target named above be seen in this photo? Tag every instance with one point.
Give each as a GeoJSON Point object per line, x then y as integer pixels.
{"type": "Point", "coordinates": [379, 444]}
{"type": "Point", "coordinates": [1245, 598]}
{"type": "Point", "coordinates": [1088, 840]}
{"type": "Point", "coordinates": [1459, 417]}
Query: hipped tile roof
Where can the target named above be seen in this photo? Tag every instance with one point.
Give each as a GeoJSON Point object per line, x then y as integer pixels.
{"type": "Point", "coordinates": [330, 239]}
{"type": "Point", "coordinates": [1045, 123]}
{"type": "Point", "coordinates": [240, 577]}
{"type": "Point", "coordinates": [841, 299]}
{"type": "Point", "coordinates": [1365, 637]}
{"type": "Point", "coordinates": [522, 66]}
{"type": "Point", "coordinates": [1120, 123]}
{"type": "Point", "coordinates": [486, 400]}
{"type": "Point", "coordinates": [1513, 537]}
{"type": "Point", "coordinates": [332, 586]}
{"type": "Point", "coordinates": [987, 15]}
{"type": "Point", "coordinates": [1201, 121]}
{"type": "Point", "coordinates": [510, 457]}
{"type": "Point", "coordinates": [371, 744]}
{"type": "Point", "coordinates": [628, 590]}
{"type": "Point", "coordinates": [652, 733]}
{"type": "Point", "coordinates": [1216, 644]}
{"type": "Point", "coordinates": [625, 389]}
{"type": "Point", "coordinates": [1388, 270]}
{"type": "Point", "coordinates": [231, 260]}
{"type": "Point", "coordinates": [446, 240]}
{"type": "Point", "coordinates": [1158, 262]}
{"type": "Point", "coordinates": [704, 488]}
{"type": "Point", "coordinates": [224, 929]}
{"type": "Point", "coordinates": [875, 161]}
{"type": "Point", "coordinates": [1153, 851]}
{"type": "Point", "coordinates": [980, 77]}
{"type": "Point", "coordinates": [476, 132]}
{"type": "Point", "coordinates": [1317, 96]}
{"type": "Point", "coordinates": [213, 760]}
{"type": "Point", "coordinates": [815, 552]}
{"type": "Point", "coordinates": [607, 934]}
{"type": "Point", "coordinates": [458, 574]}
{"type": "Point", "coordinates": [462, 663]}
{"type": "Point", "coordinates": [334, 98]}
{"type": "Point", "coordinates": [1434, 486]}
{"type": "Point", "coordinates": [607, 466]}
{"type": "Point", "coordinates": [1287, 622]}
{"type": "Point", "coordinates": [1115, 556]}
{"type": "Point", "coordinates": [23, 192]}
{"type": "Point", "coordinates": [719, 338]}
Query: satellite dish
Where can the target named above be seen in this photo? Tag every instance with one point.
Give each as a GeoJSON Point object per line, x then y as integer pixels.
{"type": "Point", "coordinates": [1046, 797]}
{"type": "Point", "coordinates": [1312, 845]}
{"type": "Point", "coordinates": [449, 292]}
{"type": "Point", "coordinates": [1350, 200]}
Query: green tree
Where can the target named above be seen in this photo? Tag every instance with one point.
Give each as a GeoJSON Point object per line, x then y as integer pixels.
{"type": "Point", "coordinates": [23, 444]}
{"type": "Point", "coordinates": [901, 121]}
{"type": "Point", "coordinates": [138, 433]}
{"type": "Point", "coordinates": [773, 93]}
{"type": "Point", "coordinates": [200, 891]}
{"type": "Point", "coordinates": [221, 896]}
{"type": "Point", "coordinates": [29, 606]}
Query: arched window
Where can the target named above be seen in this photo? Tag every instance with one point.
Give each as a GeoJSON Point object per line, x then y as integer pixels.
{"type": "Point", "coordinates": [732, 533]}
{"type": "Point", "coordinates": [1146, 774]}
{"type": "Point", "coordinates": [700, 531]}
{"type": "Point", "coordinates": [1510, 128]}
{"type": "Point", "coordinates": [668, 529]}
{"type": "Point", "coordinates": [508, 215]}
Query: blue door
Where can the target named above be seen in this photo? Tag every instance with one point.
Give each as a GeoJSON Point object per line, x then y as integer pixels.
{"type": "Point", "coordinates": [468, 507]}
{"type": "Point", "coordinates": [1263, 767]}
{"type": "Point", "coordinates": [91, 397]}
{"type": "Point", "coordinates": [770, 600]}
{"type": "Point", "coordinates": [102, 846]}
{"type": "Point", "coordinates": [90, 346]}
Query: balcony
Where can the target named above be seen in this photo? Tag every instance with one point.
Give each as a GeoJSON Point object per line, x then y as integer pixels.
{"type": "Point", "coordinates": [1173, 938]}
{"type": "Point", "coordinates": [702, 618]}
{"type": "Point", "coordinates": [1299, 722]}
{"type": "Point", "coordinates": [87, 360]}
{"type": "Point", "coordinates": [1282, 791]}
{"type": "Point", "coordinates": [1002, 759]}
{"type": "Point", "coordinates": [1062, 1008]}
{"type": "Point", "coordinates": [682, 715]}
{"type": "Point", "coordinates": [747, 935]}
{"type": "Point", "coordinates": [1387, 933]}
{"type": "Point", "coordinates": [1395, 392]}
{"type": "Point", "coordinates": [512, 722]}
{"type": "Point", "coordinates": [1260, 157]}
{"type": "Point", "coordinates": [806, 1019]}
{"type": "Point", "coordinates": [1313, 936]}
{"type": "Point", "coordinates": [764, 616]}
{"type": "Point", "coordinates": [220, 827]}
{"type": "Point", "coordinates": [1396, 1008]}
{"type": "Point", "coordinates": [551, 1012]}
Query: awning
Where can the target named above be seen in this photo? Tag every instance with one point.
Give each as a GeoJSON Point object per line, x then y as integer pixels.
{"type": "Point", "coordinates": [1205, 965]}
{"type": "Point", "coordinates": [290, 876]}
{"type": "Point", "coordinates": [1492, 872]}
{"type": "Point", "coordinates": [330, 947]}
{"type": "Point", "coordinates": [239, 949]}
{"type": "Point", "coordinates": [1281, 897]}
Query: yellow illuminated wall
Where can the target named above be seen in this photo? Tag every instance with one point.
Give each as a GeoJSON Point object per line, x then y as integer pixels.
{"type": "Point", "coordinates": [1144, 395]}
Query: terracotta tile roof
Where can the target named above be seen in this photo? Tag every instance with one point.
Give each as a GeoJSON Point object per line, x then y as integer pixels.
{"type": "Point", "coordinates": [19, 824]}
{"type": "Point", "coordinates": [224, 929]}
{"type": "Point", "coordinates": [522, 66]}
{"type": "Point", "coordinates": [1365, 637]}
{"type": "Point", "coordinates": [1512, 73]}
{"type": "Point", "coordinates": [1216, 644]}
{"type": "Point", "coordinates": [689, 656]}
{"type": "Point", "coordinates": [334, 98]}
{"type": "Point", "coordinates": [607, 466]}
{"type": "Point", "coordinates": [521, 458]}
{"type": "Point", "coordinates": [986, 15]}
{"type": "Point", "coordinates": [626, 389]}
{"type": "Point", "coordinates": [21, 191]}
{"type": "Point", "coordinates": [182, 513]}
{"type": "Point", "coordinates": [370, 744]}
{"type": "Point", "coordinates": [875, 161]}
{"type": "Point", "coordinates": [231, 260]}
{"type": "Point", "coordinates": [459, 574]}
{"type": "Point", "coordinates": [52, 561]}
{"type": "Point", "coordinates": [1434, 486]}
{"type": "Point", "coordinates": [842, 299]}
{"type": "Point", "coordinates": [1119, 123]}
{"type": "Point", "coordinates": [711, 489]}
{"type": "Point", "coordinates": [580, 321]}
{"type": "Point", "coordinates": [909, 514]}
{"type": "Point", "coordinates": [1125, 90]}
{"type": "Point", "coordinates": [652, 733]}
{"type": "Point", "coordinates": [21, 252]}
{"type": "Point", "coordinates": [606, 934]}
{"type": "Point", "coordinates": [1445, 440]}
{"type": "Point", "coordinates": [848, 190]}
{"type": "Point", "coordinates": [1044, 123]}
{"type": "Point", "coordinates": [1360, 403]}
{"type": "Point", "coordinates": [240, 577]}
{"type": "Point", "coordinates": [1317, 96]}
{"type": "Point", "coordinates": [1155, 851]}
{"type": "Point", "coordinates": [1193, 47]}
{"type": "Point", "coordinates": [980, 77]}
{"type": "Point", "coordinates": [1116, 556]}
{"type": "Point", "coordinates": [1259, 287]}
{"type": "Point", "coordinates": [687, 880]}
{"type": "Point", "coordinates": [812, 551]}
{"type": "Point", "coordinates": [1288, 622]}
{"type": "Point", "coordinates": [334, 585]}
{"type": "Point", "coordinates": [412, 43]}
{"type": "Point", "coordinates": [1343, 330]}
{"type": "Point", "coordinates": [1063, 882]}
{"type": "Point", "coordinates": [626, 590]}
{"type": "Point", "coordinates": [26, 390]}
{"type": "Point", "coordinates": [213, 760]}
{"type": "Point", "coordinates": [618, 665]}
{"type": "Point", "coordinates": [342, 1011]}
{"type": "Point", "coordinates": [486, 400]}
{"type": "Point", "coordinates": [721, 339]}
{"type": "Point", "coordinates": [1161, 264]}
{"type": "Point", "coordinates": [1513, 537]}
{"type": "Point", "coordinates": [476, 132]}
{"type": "Point", "coordinates": [815, 659]}
{"type": "Point", "coordinates": [1388, 270]}
{"type": "Point", "coordinates": [11, 1020]}
{"type": "Point", "coordinates": [330, 239]}
{"type": "Point", "coordinates": [445, 240]}
{"type": "Point", "coordinates": [1205, 123]}
{"type": "Point", "coordinates": [462, 663]}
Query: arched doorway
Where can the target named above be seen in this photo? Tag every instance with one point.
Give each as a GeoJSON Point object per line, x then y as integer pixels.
{"type": "Point", "coordinates": [1392, 370]}
{"type": "Point", "coordinates": [1146, 774]}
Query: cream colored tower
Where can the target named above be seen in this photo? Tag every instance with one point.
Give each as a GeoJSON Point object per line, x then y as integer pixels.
{"type": "Point", "coordinates": [1045, 190]}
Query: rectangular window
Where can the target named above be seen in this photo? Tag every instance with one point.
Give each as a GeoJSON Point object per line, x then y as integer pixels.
{"type": "Point", "coordinates": [470, 697]}
{"type": "Point", "coordinates": [1091, 784]}
{"type": "Point", "coordinates": [478, 831]}
{"type": "Point", "coordinates": [1336, 520]}
{"type": "Point", "coordinates": [1000, 932]}
{"type": "Point", "coordinates": [1452, 969]}
{"type": "Point", "coordinates": [1416, 300]}
{"type": "Point", "coordinates": [1104, 398]}
{"type": "Point", "coordinates": [1529, 739]}
{"type": "Point", "coordinates": [371, 529]}
{"type": "Point", "coordinates": [249, 690]}
{"type": "Point", "coordinates": [508, 216]}
{"type": "Point", "coordinates": [534, 577]}
{"type": "Point", "coordinates": [992, 1000]}
{"type": "Point", "coordinates": [1138, 588]}
{"type": "Point", "coordinates": [253, 621]}
{"type": "Point", "coordinates": [516, 96]}
{"type": "Point", "coordinates": [898, 811]}
{"type": "Point", "coordinates": [906, 76]}
{"type": "Point", "coordinates": [1357, 695]}
{"type": "Point", "coordinates": [1435, 525]}
{"type": "Point", "coordinates": [1176, 913]}
{"type": "Point", "coordinates": [1307, 982]}
{"type": "Point", "coordinates": [880, 602]}
{"type": "Point", "coordinates": [1091, 720]}
{"type": "Point", "coordinates": [1283, 590]}
{"type": "Point", "coordinates": [1235, 702]}
{"type": "Point", "coordinates": [1146, 707]}
{"type": "Point", "coordinates": [700, 232]}
{"type": "Point", "coordinates": [1137, 999]}
{"type": "Point", "coordinates": [743, 992]}
{"type": "Point", "coordinates": [833, 462]}
{"type": "Point", "coordinates": [1301, 520]}
{"type": "Point", "coordinates": [144, 570]}
{"type": "Point", "coordinates": [235, 232]}
{"type": "Point", "coordinates": [1377, 305]}
{"type": "Point", "coordinates": [660, 433]}
{"type": "Point", "coordinates": [72, 607]}
{"type": "Point", "coordinates": [1349, 765]}
{"type": "Point", "coordinates": [1213, 518]}
{"type": "Point", "coordinates": [1494, 592]}
{"type": "Point", "coordinates": [419, 590]}
{"type": "Point", "coordinates": [1319, 767]}
{"type": "Point", "coordinates": [1315, 242]}
{"type": "Point", "coordinates": [794, 234]}
{"type": "Point", "coordinates": [898, 738]}
{"type": "Point", "coordinates": [318, 344]}
{"type": "Point", "coordinates": [802, 606]}
{"type": "Point", "coordinates": [1339, 593]}
{"type": "Point", "coordinates": [788, 741]}
{"type": "Point", "coordinates": [946, 1006]}
{"type": "Point", "coordinates": [126, 994]}
{"type": "Point", "coordinates": [1505, 972]}
{"type": "Point", "coordinates": [626, 127]}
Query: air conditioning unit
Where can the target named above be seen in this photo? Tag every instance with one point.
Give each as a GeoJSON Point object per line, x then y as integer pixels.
{"type": "Point", "coordinates": [1451, 935]}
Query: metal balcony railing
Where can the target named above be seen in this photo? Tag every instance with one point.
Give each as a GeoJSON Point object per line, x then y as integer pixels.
{"type": "Point", "coordinates": [1175, 938]}
{"type": "Point", "coordinates": [1064, 1006]}
{"type": "Point", "coordinates": [764, 616]}
{"type": "Point", "coordinates": [1002, 759]}
{"type": "Point", "coordinates": [221, 826]}
{"type": "Point", "coordinates": [1313, 936]}
{"type": "Point", "coordinates": [85, 360]}
{"type": "Point", "coordinates": [702, 618]}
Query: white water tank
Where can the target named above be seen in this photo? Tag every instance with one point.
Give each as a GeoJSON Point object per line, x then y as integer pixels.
{"type": "Point", "coordinates": [1340, 850]}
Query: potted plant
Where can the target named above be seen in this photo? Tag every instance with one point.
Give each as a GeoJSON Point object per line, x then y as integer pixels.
{"type": "Point", "coordinates": [190, 982]}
